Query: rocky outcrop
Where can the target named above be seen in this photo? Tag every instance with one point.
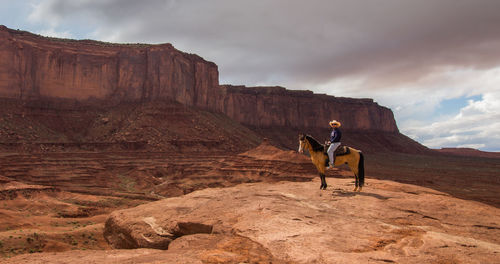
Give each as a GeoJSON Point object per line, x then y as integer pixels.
{"type": "Point", "coordinates": [388, 222]}
{"type": "Point", "coordinates": [469, 152]}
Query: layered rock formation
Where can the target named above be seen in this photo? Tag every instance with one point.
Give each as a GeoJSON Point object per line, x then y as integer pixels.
{"type": "Point", "coordinates": [60, 201]}
{"type": "Point", "coordinates": [469, 152]}
{"type": "Point", "coordinates": [33, 67]}
{"type": "Point", "coordinates": [265, 107]}
{"type": "Point", "coordinates": [38, 68]}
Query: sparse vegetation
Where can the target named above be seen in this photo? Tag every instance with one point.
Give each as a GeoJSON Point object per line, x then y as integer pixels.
{"type": "Point", "coordinates": [127, 183]}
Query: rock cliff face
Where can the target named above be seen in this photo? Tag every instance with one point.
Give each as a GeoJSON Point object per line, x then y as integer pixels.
{"type": "Point", "coordinates": [33, 67]}
{"type": "Point", "coordinates": [267, 107]}
{"type": "Point", "coordinates": [39, 68]}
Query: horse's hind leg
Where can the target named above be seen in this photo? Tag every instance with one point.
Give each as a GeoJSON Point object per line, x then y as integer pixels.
{"type": "Point", "coordinates": [356, 183]}
{"type": "Point", "coordinates": [355, 171]}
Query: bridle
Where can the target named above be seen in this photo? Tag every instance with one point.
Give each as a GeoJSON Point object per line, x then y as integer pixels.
{"type": "Point", "coordinates": [302, 142]}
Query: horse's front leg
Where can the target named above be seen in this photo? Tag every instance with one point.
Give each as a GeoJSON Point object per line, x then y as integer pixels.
{"type": "Point", "coordinates": [323, 181]}
{"type": "Point", "coordinates": [321, 178]}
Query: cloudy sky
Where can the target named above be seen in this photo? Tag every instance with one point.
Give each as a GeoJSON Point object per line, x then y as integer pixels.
{"type": "Point", "coordinates": [435, 63]}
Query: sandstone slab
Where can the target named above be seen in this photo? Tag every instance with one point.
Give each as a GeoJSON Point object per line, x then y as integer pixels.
{"type": "Point", "coordinates": [388, 222]}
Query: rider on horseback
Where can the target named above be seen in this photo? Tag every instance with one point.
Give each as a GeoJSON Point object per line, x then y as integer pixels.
{"type": "Point", "coordinates": [334, 141]}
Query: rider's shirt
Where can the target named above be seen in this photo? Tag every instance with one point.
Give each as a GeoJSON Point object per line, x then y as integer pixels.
{"type": "Point", "coordinates": [335, 136]}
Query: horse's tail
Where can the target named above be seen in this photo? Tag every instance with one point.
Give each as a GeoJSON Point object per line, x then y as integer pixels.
{"type": "Point", "coordinates": [361, 169]}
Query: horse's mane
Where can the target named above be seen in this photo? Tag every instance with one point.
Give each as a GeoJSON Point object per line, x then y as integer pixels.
{"type": "Point", "coordinates": [314, 143]}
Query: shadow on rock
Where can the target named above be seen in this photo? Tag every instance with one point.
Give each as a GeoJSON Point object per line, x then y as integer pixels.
{"type": "Point", "coordinates": [345, 193]}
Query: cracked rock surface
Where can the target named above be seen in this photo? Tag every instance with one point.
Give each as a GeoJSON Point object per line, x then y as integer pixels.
{"type": "Point", "coordinates": [388, 222]}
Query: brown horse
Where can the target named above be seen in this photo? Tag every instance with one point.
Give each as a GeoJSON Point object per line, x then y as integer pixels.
{"type": "Point", "coordinates": [354, 159]}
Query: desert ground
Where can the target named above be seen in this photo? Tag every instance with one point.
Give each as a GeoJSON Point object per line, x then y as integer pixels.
{"type": "Point", "coordinates": [263, 205]}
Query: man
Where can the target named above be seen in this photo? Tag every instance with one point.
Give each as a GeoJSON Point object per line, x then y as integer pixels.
{"type": "Point", "coordinates": [334, 141]}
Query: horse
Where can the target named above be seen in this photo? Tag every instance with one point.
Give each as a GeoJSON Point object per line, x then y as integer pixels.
{"type": "Point", "coordinates": [353, 158]}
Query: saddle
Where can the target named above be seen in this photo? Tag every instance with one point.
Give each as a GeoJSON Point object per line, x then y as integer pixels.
{"type": "Point", "coordinates": [340, 151]}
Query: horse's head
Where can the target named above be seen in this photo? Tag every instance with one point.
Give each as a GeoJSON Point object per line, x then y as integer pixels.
{"type": "Point", "coordinates": [302, 142]}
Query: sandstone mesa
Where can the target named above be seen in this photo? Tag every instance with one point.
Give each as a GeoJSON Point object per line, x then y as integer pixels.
{"type": "Point", "coordinates": [35, 68]}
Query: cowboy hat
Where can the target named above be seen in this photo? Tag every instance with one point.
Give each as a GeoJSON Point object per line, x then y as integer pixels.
{"type": "Point", "coordinates": [335, 123]}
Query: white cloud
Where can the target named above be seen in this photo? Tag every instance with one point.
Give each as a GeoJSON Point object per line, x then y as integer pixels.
{"type": "Point", "coordinates": [477, 125]}
{"type": "Point", "coordinates": [42, 13]}
{"type": "Point", "coordinates": [51, 32]}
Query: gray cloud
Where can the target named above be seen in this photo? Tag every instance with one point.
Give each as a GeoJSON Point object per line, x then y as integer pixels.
{"type": "Point", "coordinates": [299, 42]}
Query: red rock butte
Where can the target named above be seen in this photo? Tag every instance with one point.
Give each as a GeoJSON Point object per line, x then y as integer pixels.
{"type": "Point", "coordinates": [33, 67]}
